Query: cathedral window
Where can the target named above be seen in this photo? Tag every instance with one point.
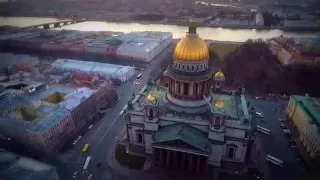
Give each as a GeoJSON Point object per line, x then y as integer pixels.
{"type": "Point", "coordinates": [231, 151]}
{"type": "Point", "coordinates": [140, 138]}
{"type": "Point", "coordinates": [150, 114]}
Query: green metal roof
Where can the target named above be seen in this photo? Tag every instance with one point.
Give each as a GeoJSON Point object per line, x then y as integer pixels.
{"type": "Point", "coordinates": [229, 105]}
{"type": "Point", "coordinates": [185, 133]}
{"type": "Point", "coordinates": [311, 106]}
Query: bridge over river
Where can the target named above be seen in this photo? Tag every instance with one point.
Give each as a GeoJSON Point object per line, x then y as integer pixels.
{"type": "Point", "coordinates": [56, 24]}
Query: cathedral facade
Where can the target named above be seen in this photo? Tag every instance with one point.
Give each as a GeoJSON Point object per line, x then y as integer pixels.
{"type": "Point", "coordinates": [189, 124]}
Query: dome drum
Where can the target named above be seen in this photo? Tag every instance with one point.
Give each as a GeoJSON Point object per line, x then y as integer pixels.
{"type": "Point", "coordinates": [196, 66]}
{"type": "Point", "coordinates": [189, 76]}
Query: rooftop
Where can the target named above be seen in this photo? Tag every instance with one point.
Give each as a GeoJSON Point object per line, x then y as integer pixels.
{"type": "Point", "coordinates": [185, 133]}
{"type": "Point", "coordinates": [152, 95]}
{"type": "Point", "coordinates": [93, 67]}
{"type": "Point", "coordinates": [9, 59]}
{"type": "Point", "coordinates": [40, 109]}
{"type": "Point", "coordinates": [235, 107]}
{"type": "Point", "coordinates": [21, 168]}
{"type": "Point", "coordinates": [311, 106]}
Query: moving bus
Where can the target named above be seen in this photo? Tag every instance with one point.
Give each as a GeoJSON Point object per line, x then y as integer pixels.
{"type": "Point", "coordinates": [85, 148]}
{"type": "Point", "coordinates": [274, 160]}
{"type": "Point", "coordinates": [263, 130]}
{"type": "Point", "coordinates": [87, 163]}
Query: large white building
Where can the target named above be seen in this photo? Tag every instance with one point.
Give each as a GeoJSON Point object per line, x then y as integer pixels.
{"type": "Point", "coordinates": [104, 70]}
{"type": "Point", "coordinates": [186, 124]}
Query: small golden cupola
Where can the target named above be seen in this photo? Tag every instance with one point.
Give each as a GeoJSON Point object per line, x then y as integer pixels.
{"type": "Point", "coordinates": [191, 47]}
{"type": "Point", "coordinates": [219, 75]}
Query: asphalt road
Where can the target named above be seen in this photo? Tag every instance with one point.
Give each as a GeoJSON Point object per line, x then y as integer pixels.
{"type": "Point", "coordinates": [277, 143]}
{"type": "Point", "coordinates": [105, 132]}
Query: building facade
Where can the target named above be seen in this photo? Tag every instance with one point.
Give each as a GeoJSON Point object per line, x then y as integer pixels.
{"type": "Point", "coordinates": [304, 112]}
{"type": "Point", "coordinates": [187, 125]}
{"type": "Point", "coordinates": [294, 52]}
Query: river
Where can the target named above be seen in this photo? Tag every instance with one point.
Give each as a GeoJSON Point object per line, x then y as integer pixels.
{"type": "Point", "coordinates": [220, 34]}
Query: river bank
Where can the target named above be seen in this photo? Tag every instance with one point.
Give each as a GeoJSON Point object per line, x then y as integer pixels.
{"type": "Point", "coordinates": [179, 23]}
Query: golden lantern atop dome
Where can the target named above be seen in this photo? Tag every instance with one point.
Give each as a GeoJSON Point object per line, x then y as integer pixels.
{"type": "Point", "coordinates": [219, 75]}
{"type": "Point", "coordinates": [191, 47]}
{"type": "Point", "coordinates": [219, 104]}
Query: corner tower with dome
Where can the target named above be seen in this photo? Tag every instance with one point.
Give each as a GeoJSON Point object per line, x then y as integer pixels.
{"type": "Point", "coordinates": [189, 124]}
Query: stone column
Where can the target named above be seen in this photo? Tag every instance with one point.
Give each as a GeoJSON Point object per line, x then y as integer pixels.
{"type": "Point", "coordinates": [154, 156]}
{"type": "Point", "coordinates": [175, 159]}
{"type": "Point", "coordinates": [199, 88]}
{"type": "Point", "coordinates": [176, 87]}
{"type": "Point", "coordinates": [161, 157]}
{"type": "Point", "coordinates": [168, 157]}
{"type": "Point", "coordinates": [172, 85]}
{"type": "Point", "coordinates": [198, 163]}
{"type": "Point", "coordinates": [190, 161]}
{"type": "Point", "coordinates": [181, 88]}
{"type": "Point", "coordinates": [191, 89]}
{"type": "Point", "coordinates": [183, 156]}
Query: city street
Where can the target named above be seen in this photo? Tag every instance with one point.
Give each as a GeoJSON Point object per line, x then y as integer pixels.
{"type": "Point", "coordinates": [102, 135]}
{"type": "Point", "coordinates": [276, 144]}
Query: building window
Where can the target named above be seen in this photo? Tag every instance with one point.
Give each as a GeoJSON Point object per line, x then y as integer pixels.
{"type": "Point", "coordinates": [140, 138]}
{"type": "Point", "coordinates": [231, 151]}
{"type": "Point", "coordinates": [187, 67]}
{"type": "Point", "coordinates": [192, 68]}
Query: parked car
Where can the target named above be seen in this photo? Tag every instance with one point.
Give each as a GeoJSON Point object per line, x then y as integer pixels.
{"type": "Point", "coordinates": [292, 144]}
{"type": "Point", "coordinates": [281, 119]}
{"type": "Point", "coordinates": [282, 125]}
{"type": "Point", "coordinates": [287, 132]}
{"type": "Point", "coordinates": [259, 114]}
{"type": "Point", "coordinates": [75, 175]}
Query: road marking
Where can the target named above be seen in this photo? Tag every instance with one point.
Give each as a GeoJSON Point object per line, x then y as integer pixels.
{"type": "Point", "coordinates": [114, 121]}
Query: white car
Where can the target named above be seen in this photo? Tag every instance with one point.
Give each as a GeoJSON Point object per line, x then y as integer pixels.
{"type": "Point", "coordinates": [287, 132]}
{"type": "Point", "coordinates": [75, 175]}
{"type": "Point", "coordinates": [90, 176]}
{"type": "Point", "coordinates": [90, 126]}
{"type": "Point", "coordinates": [75, 142]}
{"type": "Point", "coordinates": [259, 114]}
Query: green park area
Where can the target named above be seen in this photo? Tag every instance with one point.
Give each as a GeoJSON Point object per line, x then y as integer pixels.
{"type": "Point", "coordinates": [131, 161]}
{"type": "Point", "coordinates": [221, 49]}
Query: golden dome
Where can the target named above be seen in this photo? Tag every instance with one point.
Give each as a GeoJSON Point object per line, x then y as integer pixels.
{"type": "Point", "coordinates": [219, 104]}
{"type": "Point", "coordinates": [151, 97]}
{"type": "Point", "coordinates": [219, 75]}
{"type": "Point", "coordinates": [191, 48]}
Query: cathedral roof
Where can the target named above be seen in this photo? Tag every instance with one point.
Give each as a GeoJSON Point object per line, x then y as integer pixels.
{"type": "Point", "coordinates": [185, 133]}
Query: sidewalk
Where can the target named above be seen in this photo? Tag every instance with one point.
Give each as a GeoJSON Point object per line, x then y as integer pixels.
{"type": "Point", "coordinates": [258, 156]}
